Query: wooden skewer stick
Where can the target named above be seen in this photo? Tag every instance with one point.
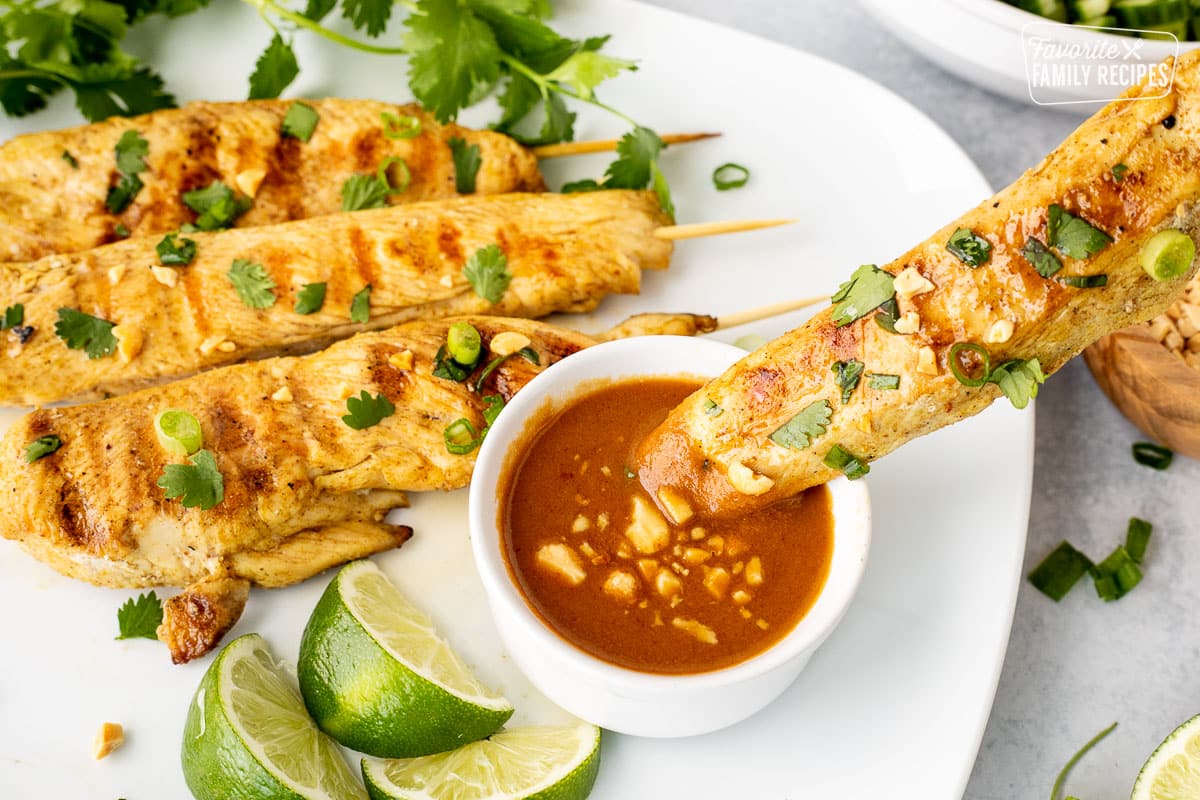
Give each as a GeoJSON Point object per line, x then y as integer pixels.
{"type": "Point", "coordinates": [765, 312]}
{"type": "Point", "coordinates": [608, 145]}
{"type": "Point", "coordinates": [697, 230]}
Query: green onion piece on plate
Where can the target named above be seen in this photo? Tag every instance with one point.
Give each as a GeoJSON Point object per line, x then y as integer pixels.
{"type": "Point", "coordinates": [1060, 571]}
{"type": "Point", "coordinates": [461, 437]}
{"type": "Point", "coordinates": [730, 176]}
{"type": "Point", "coordinates": [1151, 455]}
{"type": "Point", "coordinates": [1116, 575]}
{"type": "Point", "coordinates": [1137, 537]}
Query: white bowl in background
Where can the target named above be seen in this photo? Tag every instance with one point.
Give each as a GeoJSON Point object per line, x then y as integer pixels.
{"type": "Point", "coordinates": [620, 699]}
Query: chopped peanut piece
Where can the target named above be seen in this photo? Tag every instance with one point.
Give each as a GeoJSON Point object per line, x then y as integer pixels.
{"type": "Point", "coordinates": [909, 323]}
{"type": "Point", "coordinates": [166, 276]}
{"type": "Point", "coordinates": [667, 584]}
{"type": "Point", "coordinates": [580, 524]}
{"type": "Point", "coordinates": [697, 629]}
{"type": "Point", "coordinates": [698, 534]}
{"type": "Point", "coordinates": [747, 481]}
{"type": "Point", "coordinates": [927, 361]}
{"type": "Point", "coordinates": [741, 597]}
{"type": "Point", "coordinates": [621, 586]}
{"type": "Point", "coordinates": [675, 504]}
{"type": "Point", "coordinates": [716, 545]}
{"type": "Point", "coordinates": [508, 342]}
{"type": "Point", "coordinates": [283, 395]}
{"type": "Point", "coordinates": [754, 571]}
{"type": "Point", "coordinates": [910, 283]}
{"type": "Point", "coordinates": [647, 530]}
{"type": "Point", "coordinates": [446, 280]}
{"type": "Point", "coordinates": [602, 520]}
{"type": "Point", "coordinates": [694, 556]}
{"type": "Point", "coordinates": [402, 361]}
{"type": "Point", "coordinates": [999, 332]}
{"type": "Point", "coordinates": [129, 341]}
{"type": "Point", "coordinates": [716, 581]}
{"type": "Point", "coordinates": [587, 550]}
{"type": "Point", "coordinates": [762, 624]}
{"type": "Point", "coordinates": [248, 180]}
{"type": "Point", "coordinates": [563, 561]}
{"type": "Point", "coordinates": [108, 738]}
{"type": "Point", "coordinates": [648, 567]}
{"type": "Point", "coordinates": [114, 274]}
{"type": "Point", "coordinates": [227, 346]}
{"type": "Point", "coordinates": [745, 612]}
{"type": "Point", "coordinates": [606, 471]}
{"type": "Point", "coordinates": [210, 344]}
{"type": "Point", "coordinates": [624, 550]}
{"type": "Point", "coordinates": [737, 567]}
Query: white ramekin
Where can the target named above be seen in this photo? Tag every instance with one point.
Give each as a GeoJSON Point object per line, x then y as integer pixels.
{"type": "Point", "coordinates": [613, 697]}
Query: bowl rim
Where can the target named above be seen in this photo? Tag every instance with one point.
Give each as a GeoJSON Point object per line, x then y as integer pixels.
{"type": "Point", "coordinates": [1016, 19]}
{"type": "Point", "coordinates": [559, 384]}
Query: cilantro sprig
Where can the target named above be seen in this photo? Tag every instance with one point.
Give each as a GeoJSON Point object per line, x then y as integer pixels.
{"type": "Point", "coordinates": [365, 411]}
{"type": "Point", "coordinates": [197, 484]}
{"type": "Point", "coordinates": [487, 272]}
{"type": "Point", "coordinates": [140, 618]}
{"type": "Point", "coordinates": [799, 431]}
{"type": "Point", "coordinates": [82, 331]}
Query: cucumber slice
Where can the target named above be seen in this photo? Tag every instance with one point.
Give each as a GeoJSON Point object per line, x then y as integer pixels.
{"type": "Point", "coordinates": [1084, 10]}
{"type": "Point", "coordinates": [1149, 14]}
{"type": "Point", "coordinates": [1102, 21]}
{"type": "Point", "coordinates": [1050, 9]}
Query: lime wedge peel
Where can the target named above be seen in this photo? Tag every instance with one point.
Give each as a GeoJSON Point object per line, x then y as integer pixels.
{"type": "Point", "coordinates": [1172, 772]}
{"type": "Point", "coordinates": [534, 763]}
{"type": "Point", "coordinates": [248, 736]}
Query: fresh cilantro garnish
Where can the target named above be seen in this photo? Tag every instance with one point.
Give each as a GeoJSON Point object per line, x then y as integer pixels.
{"type": "Point", "coordinates": [466, 165]}
{"type": "Point", "coordinates": [274, 70]}
{"type": "Point", "coordinates": [84, 332]}
{"type": "Point", "coordinates": [969, 247]}
{"type": "Point", "coordinates": [41, 447]}
{"type": "Point", "coordinates": [366, 411]}
{"type": "Point", "coordinates": [662, 190]}
{"type": "Point", "coordinates": [131, 152]}
{"type": "Point", "coordinates": [1119, 171]}
{"type": "Point", "coordinates": [799, 431]}
{"type": "Point", "coordinates": [360, 305]}
{"type": "Point", "coordinates": [14, 316]}
{"type": "Point", "coordinates": [121, 231]}
{"type": "Point", "coordinates": [847, 375]}
{"type": "Point", "coordinates": [300, 121]}
{"type": "Point", "coordinates": [70, 159]}
{"type": "Point", "coordinates": [446, 367]}
{"type": "Point", "coordinates": [174, 253]}
{"type": "Point", "coordinates": [371, 191]}
{"type": "Point", "coordinates": [585, 185]}
{"type": "Point", "coordinates": [1019, 379]}
{"type": "Point", "coordinates": [1036, 253]}
{"type": "Point", "coordinates": [636, 151]}
{"type": "Point", "coordinates": [1072, 236]}
{"type": "Point", "coordinates": [487, 272]}
{"type": "Point", "coordinates": [888, 315]}
{"type": "Point", "coordinates": [868, 288]}
{"type": "Point", "coordinates": [252, 283]}
{"type": "Point", "coordinates": [218, 206]}
{"type": "Point", "coordinates": [310, 298]}
{"type": "Point", "coordinates": [198, 483]}
{"type": "Point", "coordinates": [140, 618]}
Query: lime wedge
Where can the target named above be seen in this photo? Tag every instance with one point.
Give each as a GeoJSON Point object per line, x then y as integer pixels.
{"type": "Point", "coordinates": [543, 763]}
{"type": "Point", "coordinates": [178, 432]}
{"type": "Point", "coordinates": [1167, 255]}
{"type": "Point", "coordinates": [247, 736]}
{"type": "Point", "coordinates": [1172, 772]}
{"type": "Point", "coordinates": [377, 677]}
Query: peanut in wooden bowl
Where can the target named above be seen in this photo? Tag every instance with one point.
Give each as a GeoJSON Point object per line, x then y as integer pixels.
{"type": "Point", "coordinates": [1151, 386]}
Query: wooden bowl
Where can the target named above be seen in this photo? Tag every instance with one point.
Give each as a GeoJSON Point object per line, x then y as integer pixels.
{"type": "Point", "coordinates": [1151, 385]}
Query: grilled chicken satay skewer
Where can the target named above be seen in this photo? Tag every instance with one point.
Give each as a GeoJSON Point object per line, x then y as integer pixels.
{"type": "Point", "coordinates": [63, 191]}
{"type": "Point", "coordinates": [1088, 210]}
{"type": "Point", "coordinates": [249, 293]}
{"type": "Point", "coordinates": [301, 489]}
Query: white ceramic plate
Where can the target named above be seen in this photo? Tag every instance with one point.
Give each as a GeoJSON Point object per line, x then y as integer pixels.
{"type": "Point", "coordinates": [980, 41]}
{"type": "Point", "coordinates": [895, 703]}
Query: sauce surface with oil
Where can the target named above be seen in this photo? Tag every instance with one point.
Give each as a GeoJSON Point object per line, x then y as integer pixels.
{"type": "Point", "coordinates": [638, 583]}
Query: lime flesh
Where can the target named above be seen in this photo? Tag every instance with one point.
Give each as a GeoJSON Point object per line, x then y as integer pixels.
{"type": "Point", "coordinates": [1173, 770]}
{"type": "Point", "coordinates": [537, 763]}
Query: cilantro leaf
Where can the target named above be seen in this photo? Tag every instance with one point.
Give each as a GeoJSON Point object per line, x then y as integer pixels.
{"type": "Point", "coordinates": [847, 375]}
{"type": "Point", "coordinates": [466, 165]}
{"type": "Point", "coordinates": [275, 69]}
{"type": "Point", "coordinates": [174, 253]}
{"type": "Point", "coordinates": [446, 367]}
{"type": "Point", "coordinates": [868, 288]}
{"type": "Point", "coordinates": [662, 190]}
{"type": "Point", "coordinates": [140, 618]}
{"type": "Point", "coordinates": [585, 185]}
{"type": "Point", "coordinates": [454, 58]}
{"type": "Point", "coordinates": [1072, 236]}
{"type": "Point", "coordinates": [371, 15]}
{"type": "Point", "coordinates": [41, 447]}
{"type": "Point", "coordinates": [131, 151]}
{"type": "Point", "coordinates": [1036, 253]}
{"type": "Point", "coordinates": [366, 411]}
{"type": "Point", "coordinates": [587, 69]}
{"type": "Point", "coordinates": [70, 159]}
{"type": "Point", "coordinates": [363, 191]}
{"type": "Point", "coordinates": [799, 431]}
{"type": "Point", "coordinates": [84, 332]}
{"type": "Point", "coordinates": [487, 272]}
{"type": "Point", "coordinates": [969, 247]}
{"type": "Point", "coordinates": [121, 194]}
{"type": "Point", "coordinates": [360, 305]}
{"type": "Point", "coordinates": [252, 283]}
{"type": "Point", "coordinates": [218, 206]}
{"type": "Point", "coordinates": [317, 10]}
{"type": "Point", "coordinates": [14, 316]}
{"type": "Point", "coordinates": [140, 92]}
{"type": "Point", "coordinates": [197, 484]}
{"type": "Point", "coordinates": [636, 151]}
{"type": "Point", "coordinates": [310, 299]}
{"type": "Point", "coordinates": [1019, 380]}
{"type": "Point", "coordinates": [300, 121]}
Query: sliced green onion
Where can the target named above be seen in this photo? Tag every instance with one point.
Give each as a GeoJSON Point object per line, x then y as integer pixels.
{"type": "Point", "coordinates": [1056, 790]}
{"type": "Point", "coordinates": [1167, 255]}
{"type": "Point", "coordinates": [847, 463]}
{"type": "Point", "coordinates": [1084, 281]}
{"type": "Point", "coordinates": [751, 341]}
{"type": "Point", "coordinates": [711, 408]}
{"type": "Point", "coordinates": [41, 447]}
{"type": "Point", "coordinates": [1106, 587]}
{"type": "Point", "coordinates": [887, 315]}
{"type": "Point", "coordinates": [530, 355]}
{"type": "Point", "coordinates": [730, 176]}
{"type": "Point", "coordinates": [1137, 537]}
{"type": "Point", "coordinates": [464, 343]}
{"type": "Point", "coordinates": [883, 382]}
{"type": "Point", "coordinates": [448, 368]}
{"type": "Point", "coordinates": [956, 364]}
{"type": "Point", "coordinates": [969, 247]}
{"type": "Point", "coordinates": [1036, 253]}
{"type": "Point", "coordinates": [1151, 455]}
{"type": "Point", "coordinates": [382, 175]}
{"type": "Point", "coordinates": [1059, 571]}
{"type": "Point", "coordinates": [70, 159]}
{"type": "Point", "coordinates": [400, 127]}
{"type": "Point", "coordinates": [847, 374]}
{"type": "Point", "coordinates": [1116, 575]}
{"type": "Point", "coordinates": [178, 432]}
{"type": "Point", "coordinates": [461, 437]}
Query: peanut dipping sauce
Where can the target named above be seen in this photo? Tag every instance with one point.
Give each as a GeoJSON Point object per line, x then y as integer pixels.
{"type": "Point", "coordinates": [652, 590]}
